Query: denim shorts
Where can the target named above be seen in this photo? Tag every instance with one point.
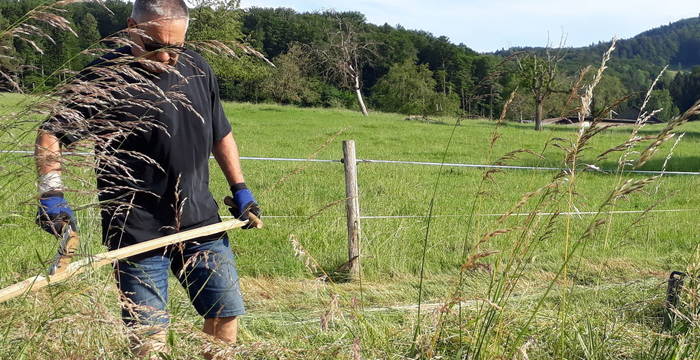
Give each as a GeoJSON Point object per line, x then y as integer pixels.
{"type": "Point", "coordinates": [206, 269]}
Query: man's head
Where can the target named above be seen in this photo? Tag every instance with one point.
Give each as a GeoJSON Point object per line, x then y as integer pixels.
{"type": "Point", "coordinates": [163, 23]}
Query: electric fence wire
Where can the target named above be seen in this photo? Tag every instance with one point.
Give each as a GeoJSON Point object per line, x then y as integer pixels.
{"type": "Point", "coordinates": [421, 163]}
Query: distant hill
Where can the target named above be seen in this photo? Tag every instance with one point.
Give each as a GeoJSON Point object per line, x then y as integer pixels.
{"type": "Point", "coordinates": [676, 45]}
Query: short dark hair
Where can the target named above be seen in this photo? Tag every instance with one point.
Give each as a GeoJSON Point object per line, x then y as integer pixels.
{"type": "Point", "coordinates": [153, 9]}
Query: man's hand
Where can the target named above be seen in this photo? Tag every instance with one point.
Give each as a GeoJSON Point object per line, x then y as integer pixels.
{"type": "Point", "coordinates": [54, 213]}
{"type": "Point", "coordinates": [243, 202]}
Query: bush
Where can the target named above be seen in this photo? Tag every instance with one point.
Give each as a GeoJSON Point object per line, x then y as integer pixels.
{"type": "Point", "coordinates": [332, 97]}
{"type": "Point", "coordinates": [242, 80]}
{"type": "Point", "coordinates": [289, 82]}
{"type": "Point", "coordinates": [410, 89]}
{"type": "Point", "coordinates": [662, 100]}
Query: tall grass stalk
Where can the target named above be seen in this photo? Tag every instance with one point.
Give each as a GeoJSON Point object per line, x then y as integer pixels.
{"type": "Point", "coordinates": [426, 237]}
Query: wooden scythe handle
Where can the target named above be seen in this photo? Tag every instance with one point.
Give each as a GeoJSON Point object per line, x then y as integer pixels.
{"type": "Point", "coordinates": [99, 260]}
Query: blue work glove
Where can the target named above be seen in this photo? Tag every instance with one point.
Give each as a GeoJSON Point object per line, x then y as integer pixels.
{"type": "Point", "coordinates": [243, 202]}
{"type": "Point", "coordinates": [54, 213]}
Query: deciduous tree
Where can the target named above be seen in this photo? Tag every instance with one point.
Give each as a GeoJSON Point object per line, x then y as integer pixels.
{"type": "Point", "coordinates": [407, 88]}
{"type": "Point", "coordinates": [289, 82]}
{"type": "Point", "coordinates": [539, 75]}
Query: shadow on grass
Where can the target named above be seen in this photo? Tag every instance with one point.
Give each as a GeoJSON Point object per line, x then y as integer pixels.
{"type": "Point", "coordinates": [648, 130]}
{"type": "Point", "coordinates": [270, 108]}
{"type": "Point", "coordinates": [676, 163]}
{"type": "Point", "coordinates": [431, 121]}
{"type": "Point", "coordinates": [341, 273]}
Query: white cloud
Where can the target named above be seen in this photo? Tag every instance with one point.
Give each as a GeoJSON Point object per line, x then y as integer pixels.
{"type": "Point", "coordinates": [490, 25]}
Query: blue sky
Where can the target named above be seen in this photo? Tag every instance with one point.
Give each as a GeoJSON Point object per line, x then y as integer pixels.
{"type": "Point", "coordinates": [491, 25]}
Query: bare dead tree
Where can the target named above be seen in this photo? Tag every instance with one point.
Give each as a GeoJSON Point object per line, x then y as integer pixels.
{"type": "Point", "coordinates": [343, 55]}
{"type": "Point", "coordinates": [539, 75]}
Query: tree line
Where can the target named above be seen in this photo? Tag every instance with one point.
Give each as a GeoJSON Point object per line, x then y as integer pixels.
{"type": "Point", "coordinates": [338, 59]}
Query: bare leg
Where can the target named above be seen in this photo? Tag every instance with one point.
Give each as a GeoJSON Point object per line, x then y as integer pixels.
{"type": "Point", "coordinates": [224, 329]}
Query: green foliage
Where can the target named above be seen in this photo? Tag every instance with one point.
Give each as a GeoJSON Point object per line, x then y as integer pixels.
{"type": "Point", "coordinates": [289, 82]}
{"type": "Point", "coordinates": [474, 83]}
{"type": "Point", "coordinates": [637, 61]}
{"type": "Point", "coordinates": [675, 44]}
{"type": "Point", "coordinates": [64, 54]}
{"type": "Point", "coordinates": [662, 100]}
{"type": "Point", "coordinates": [8, 63]}
{"type": "Point", "coordinates": [334, 97]}
{"type": "Point", "coordinates": [214, 24]}
{"type": "Point", "coordinates": [444, 104]}
{"type": "Point", "coordinates": [240, 77]}
{"type": "Point", "coordinates": [685, 89]}
{"type": "Point", "coordinates": [410, 89]}
{"type": "Point", "coordinates": [109, 23]}
{"type": "Point", "coordinates": [61, 51]}
{"type": "Point", "coordinates": [88, 31]}
{"type": "Point", "coordinates": [273, 31]}
{"type": "Point", "coordinates": [393, 46]}
{"type": "Point", "coordinates": [610, 90]}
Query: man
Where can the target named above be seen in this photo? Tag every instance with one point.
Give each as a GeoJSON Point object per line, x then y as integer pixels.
{"type": "Point", "coordinates": [152, 155]}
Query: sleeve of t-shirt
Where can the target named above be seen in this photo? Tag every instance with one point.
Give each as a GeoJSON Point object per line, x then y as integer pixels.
{"type": "Point", "coordinates": [220, 124]}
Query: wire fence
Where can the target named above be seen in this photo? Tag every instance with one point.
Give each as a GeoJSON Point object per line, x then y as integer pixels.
{"type": "Point", "coordinates": [425, 163]}
{"type": "Point", "coordinates": [354, 216]}
{"type": "Point", "coordinates": [573, 213]}
{"type": "Point", "coordinates": [422, 163]}
{"type": "Point", "coordinates": [421, 217]}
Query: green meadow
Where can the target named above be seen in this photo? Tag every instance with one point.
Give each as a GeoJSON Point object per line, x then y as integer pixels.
{"type": "Point", "coordinates": [538, 287]}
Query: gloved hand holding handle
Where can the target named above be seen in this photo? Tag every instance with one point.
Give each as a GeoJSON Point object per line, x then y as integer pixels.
{"type": "Point", "coordinates": [54, 213]}
{"type": "Point", "coordinates": [56, 217]}
{"type": "Point", "coordinates": [243, 206]}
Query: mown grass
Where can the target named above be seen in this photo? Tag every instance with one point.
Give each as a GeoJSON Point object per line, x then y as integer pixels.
{"type": "Point", "coordinates": [608, 305]}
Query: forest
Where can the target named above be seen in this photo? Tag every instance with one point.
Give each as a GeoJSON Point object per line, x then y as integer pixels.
{"type": "Point", "coordinates": [391, 68]}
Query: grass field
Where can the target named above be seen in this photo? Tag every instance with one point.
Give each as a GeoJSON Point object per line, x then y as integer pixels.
{"type": "Point", "coordinates": [547, 292]}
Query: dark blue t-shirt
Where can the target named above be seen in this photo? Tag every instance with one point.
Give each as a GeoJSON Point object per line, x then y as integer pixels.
{"type": "Point", "coordinates": [152, 147]}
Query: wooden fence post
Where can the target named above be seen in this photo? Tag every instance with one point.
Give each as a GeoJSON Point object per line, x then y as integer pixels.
{"type": "Point", "coordinates": [353, 207]}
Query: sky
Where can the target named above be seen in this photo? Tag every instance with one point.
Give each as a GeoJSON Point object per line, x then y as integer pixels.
{"type": "Point", "coordinates": [489, 25]}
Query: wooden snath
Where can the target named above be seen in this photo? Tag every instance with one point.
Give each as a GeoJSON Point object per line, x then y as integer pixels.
{"type": "Point", "coordinates": [93, 262]}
